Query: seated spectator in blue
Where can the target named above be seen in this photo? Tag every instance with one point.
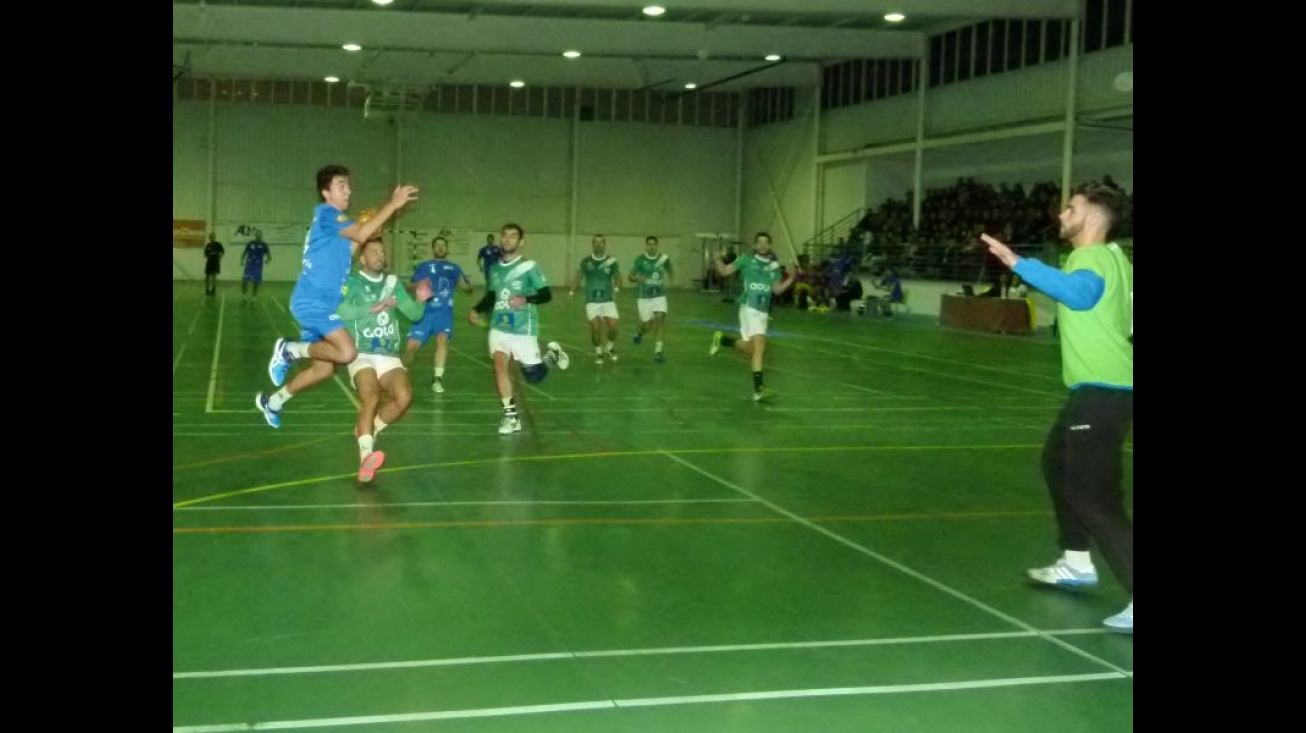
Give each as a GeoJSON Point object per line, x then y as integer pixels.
{"type": "Point", "coordinates": [892, 286]}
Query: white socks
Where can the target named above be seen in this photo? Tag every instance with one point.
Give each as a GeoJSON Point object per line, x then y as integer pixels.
{"type": "Point", "coordinates": [279, 398]}
{"type": "Point", "coordinates": [1079, 560]}
{"type": "Point", "coordinates": [297, 349]}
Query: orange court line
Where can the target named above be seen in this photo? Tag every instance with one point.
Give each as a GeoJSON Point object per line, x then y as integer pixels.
{"type": "Point", "coordinates": [597, 520]}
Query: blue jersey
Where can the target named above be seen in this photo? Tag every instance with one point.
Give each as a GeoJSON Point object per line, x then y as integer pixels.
{"type": "Point", "coordinates": [444, 276]}
{"type": "Point", "coordinates": [327, 258]}
{"type": "Point", "coordinates": [255, 252]}
{"type": "Point", "coordinates": [488, 255]}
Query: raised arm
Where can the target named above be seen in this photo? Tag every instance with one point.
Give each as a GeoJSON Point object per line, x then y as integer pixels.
{"type": "Point", "coordinates": [358, 233]}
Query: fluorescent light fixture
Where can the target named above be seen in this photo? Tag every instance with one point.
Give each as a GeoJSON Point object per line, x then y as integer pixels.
{"type": "Point", "coordinates": [654, 11]}
{"type": "Point", "coordinates": [691, 85]}
{"type": "Point", "coordinates": [571, 54]}
{"type": "Point", "coordinates": [773, 57]}
{"type": "Point", "coordinates": [516, 83]}
{"type": "Point", "coordinates": [332, 79]}
{"type": "Point", "coordinates": [895, 17]}
{"type": "Point", "coordinates": [382, 2]}
{"type": "Point", "coordinates": [352, 47]}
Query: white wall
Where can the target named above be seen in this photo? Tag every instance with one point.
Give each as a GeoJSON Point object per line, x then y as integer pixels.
{"type": "Point", "coordinates": [476, 173]}
{"type": "Point", "coordinates": [779, 175]}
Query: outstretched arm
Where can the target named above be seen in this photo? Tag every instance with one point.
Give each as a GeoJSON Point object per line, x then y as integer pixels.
{"type": "Point", "coordinates": [358, 233]}
{"type": "Point", "coordinates": [1079, 290]}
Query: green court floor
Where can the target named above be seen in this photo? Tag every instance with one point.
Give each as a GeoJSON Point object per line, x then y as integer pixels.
{"type": "Point", "coordinates": [654, 552]}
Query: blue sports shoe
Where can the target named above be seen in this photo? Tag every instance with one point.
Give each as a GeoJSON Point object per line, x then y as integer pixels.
{"type": "Point", "coordinates": [272, 416]}
{"type": "Point", "coordinates": [279, 366]}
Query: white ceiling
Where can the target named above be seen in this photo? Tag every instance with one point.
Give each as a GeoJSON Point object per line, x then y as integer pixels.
{"type": "Point", "coordinates": [719, 44]}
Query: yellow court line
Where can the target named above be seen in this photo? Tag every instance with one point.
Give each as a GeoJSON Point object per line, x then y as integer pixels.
{"type": "Point", "coordinates": [610, 454]}
{"type": "Point", "coordinates": [259, 454]}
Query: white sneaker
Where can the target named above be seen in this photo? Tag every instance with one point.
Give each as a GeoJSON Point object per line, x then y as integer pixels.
{"type": "Point", "coordinates": [560, 357]}
{"type": "Point", "coordinates": [437, 385]}
{"type": "Point", "coordinates": [509, 425]}
{"type": "Point", "coordinates": [1061, 574]}
{"type": "Point", "coordinates": [1122, 622]}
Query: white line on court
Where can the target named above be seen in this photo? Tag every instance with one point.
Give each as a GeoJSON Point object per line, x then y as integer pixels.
{"type": "Point", "coordinates": [530, 503]}
{"type": "Point", "coordinates": [217, 349]}
{"type": "Point", "coordinates": [489, 362]}
{"type": "Point", "coordinates": [714, 409]}
{"type": "Point", "coordinates": [603, 653]}
{"type": "Point", "coordinates": [930, 357]}
{"type": "Point", "coordinates": [1006, 385]}
{"type": "Point", "coordinates": [410, 430]}
{"type": "Point", "coordinates": [892, 563]}
{"type": "Point", "coordinates": [189, 331]}
{"type": "Point", "coordinates": [644, 703]}
{"type": "Point", "coordinates": [340, 382]}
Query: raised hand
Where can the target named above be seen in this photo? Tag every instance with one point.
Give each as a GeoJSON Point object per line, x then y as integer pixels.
{"type": "Point", "coordinates": [1000, 250]}
{"type": "Point", "coordinates": [403, 194]}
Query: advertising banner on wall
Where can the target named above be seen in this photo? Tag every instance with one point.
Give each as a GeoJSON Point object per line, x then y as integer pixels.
{"type": "Point", "coordinates": [188, 233]}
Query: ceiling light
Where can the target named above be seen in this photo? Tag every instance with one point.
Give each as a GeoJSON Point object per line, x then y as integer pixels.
{"type": "Point", "coordinates": [332, 79]}
{"type": "Point", "coordinates": [352, 47]}
{"type": "Point", "coordinates": [571, 54]}
{"type": "Point", "coordinates": [773, 57]}
{"type": "Point", "coordinates": [691, 85]}
{"type": "Point", "coordinates": [383, 2]}
{"type": "Point", "coordinates": [654, 11]}
{"type": "Point", "coordinates": [516, 83]}
{"type": "Point", "coordinates": [895, 17]}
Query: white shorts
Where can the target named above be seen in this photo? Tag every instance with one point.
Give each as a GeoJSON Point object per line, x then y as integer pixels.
{"type": "Point", "coordinates": [649, 306]}
{"type": "Point", "coordinates": [752, 322]}
{"type": "Point", "coordinates": [380, 362]}
{"type": "Point", "coordinates": [525, 349]}
{"type": "Point", "coordinates": [601, 310]}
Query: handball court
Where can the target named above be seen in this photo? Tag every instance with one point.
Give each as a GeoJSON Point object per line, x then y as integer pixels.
{"type": "Point", "coordinates": [653, 552]}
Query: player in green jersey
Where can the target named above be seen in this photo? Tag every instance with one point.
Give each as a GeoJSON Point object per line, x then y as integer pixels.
{"type": "Point", "coordinates": [600, 275]}
{"type": "Point", "coordinates": [654, 273]}
{"type": "Point", "coordinates": [516, 287]}
{"type": "Point", "coordinates": [370, 311]}
{"type": "Point", "coordinates": [1083, 458]}
{"type": "Point", "coordinates": [761, 281]}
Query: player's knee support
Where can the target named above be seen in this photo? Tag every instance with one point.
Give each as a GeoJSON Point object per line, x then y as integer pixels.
{"type": "Point", "coordinates": [535, 372]}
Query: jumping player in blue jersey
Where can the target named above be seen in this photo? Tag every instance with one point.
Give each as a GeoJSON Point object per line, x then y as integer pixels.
{"type": "Point", "coordinates": [332, 241]}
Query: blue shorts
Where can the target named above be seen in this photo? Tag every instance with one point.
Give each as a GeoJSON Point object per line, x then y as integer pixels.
{"type": "Point", "coordinates": [316, 319]}
{"type": "Point", "coordinates": [435, 321]}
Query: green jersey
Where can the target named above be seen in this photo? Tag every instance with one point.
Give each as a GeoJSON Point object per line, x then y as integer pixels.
{"type": "Point", "coordinates": [1095, 347]}
{"type": "Point", "coordinates": [656, 273]}
{"type": "Point", "coordinates": [519, 277]}
{"type": "Point", "coordinates": [596, 276]}
{"type": "Point", "coordinates": [376, 333]}
{"type": "Point", "coordinates": [759, 275]}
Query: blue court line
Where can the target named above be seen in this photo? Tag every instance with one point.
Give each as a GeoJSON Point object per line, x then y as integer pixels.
{"type": "Point", "coordinates": [732, 327]}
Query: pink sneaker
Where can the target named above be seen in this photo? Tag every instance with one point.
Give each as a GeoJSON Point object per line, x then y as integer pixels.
{"type": "Point", "coordinates": [369, 465]}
